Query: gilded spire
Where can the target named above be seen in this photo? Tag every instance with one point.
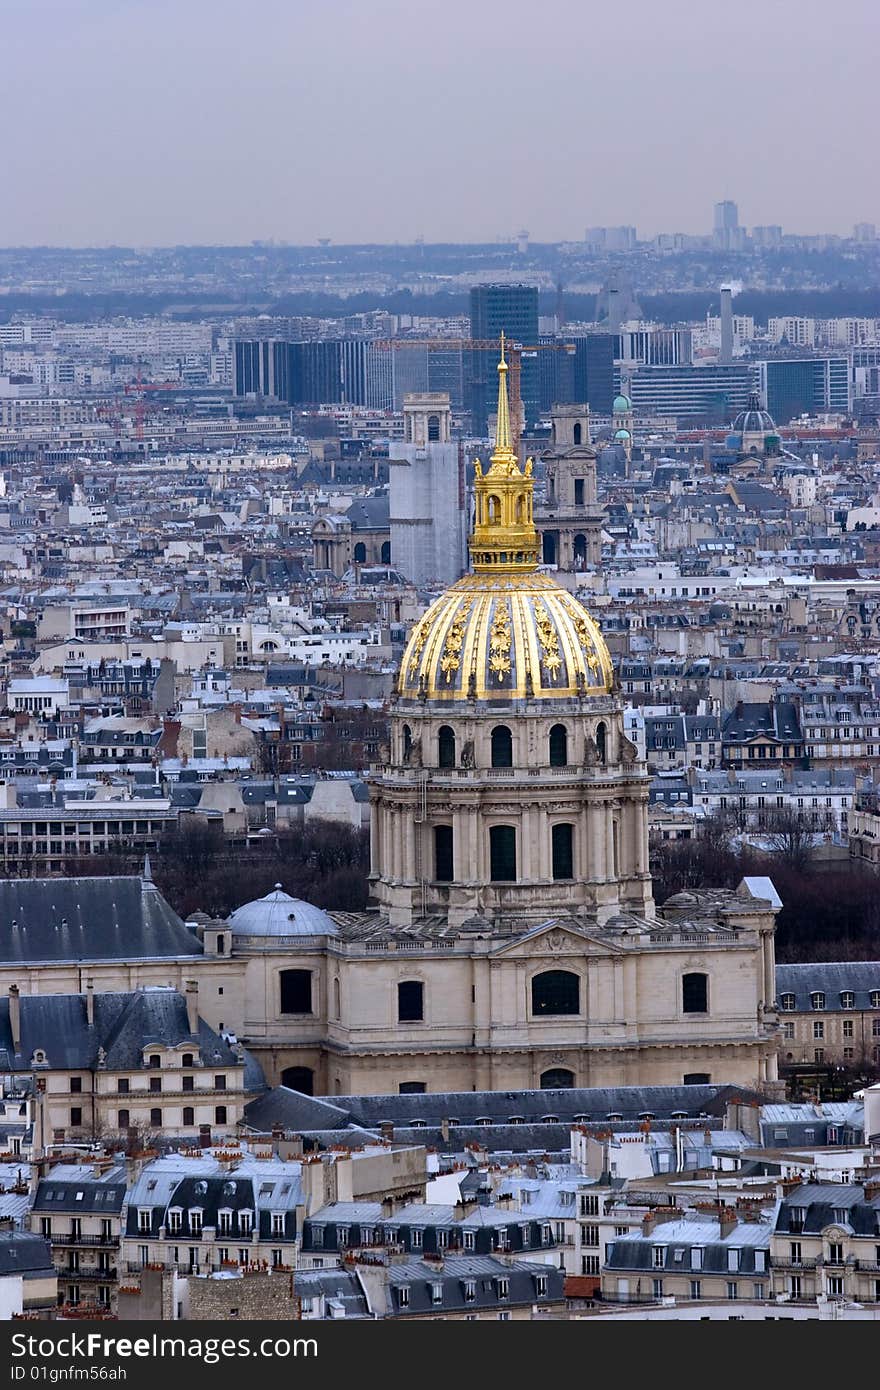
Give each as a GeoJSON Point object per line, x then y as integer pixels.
{"type": "Point", "coordinates": [502, 428]}
{"type": "Point", "coordinates": [504, 535]}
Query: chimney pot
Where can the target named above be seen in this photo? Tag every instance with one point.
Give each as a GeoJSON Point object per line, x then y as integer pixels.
{"type": "Point", "coordinates": [15, 1017]}
{"type": "Point", "coordinates": [192, 1007]}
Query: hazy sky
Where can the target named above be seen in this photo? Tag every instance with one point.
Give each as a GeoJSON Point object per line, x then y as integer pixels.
{"type": "Point", "coordinates": [161, 121]}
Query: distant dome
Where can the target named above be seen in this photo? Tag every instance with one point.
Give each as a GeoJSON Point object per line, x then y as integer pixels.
{"type": "Point", "coordinates": [753, 420]}
{"type": "Point", "coordinates": [278, 914]}
{"type": "Point", "coordinates": [621, 434]}
{"type": "Point", "coordinates": [621, 403]}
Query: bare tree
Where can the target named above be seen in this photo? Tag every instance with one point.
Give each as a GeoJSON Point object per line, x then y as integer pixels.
{"type": "Point", "coordinates": [791, 835]}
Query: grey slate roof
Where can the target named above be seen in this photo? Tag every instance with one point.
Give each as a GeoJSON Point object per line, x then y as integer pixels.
{"type": "Point", "coordinates": [125, 1024]}
{"type": "Point", "coordinates": [775, 719]}
{"type": "Point", "coordinates": [61, 919]}
{"type": "Point", "coordinates": [831, 978]}
{"type": "Point", "coordinates": [23, 1253]}
{"type": "Point", "coordinates": [484, 1117]}
{"type": "Point", "coordinates": [293, 1110]}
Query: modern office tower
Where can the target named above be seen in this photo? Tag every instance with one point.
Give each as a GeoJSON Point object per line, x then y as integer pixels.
{"type": "Point", "coordinates": [793, 386]}
{"type": "Point", "coordinates": [710, 394]}
{"type": "Point", "coordinates": [351, 371]}
{"type": "Point", "coordinates": [594, 371]}
{"type": "Point", "coordinates": [654, 347]}
{"type": "Point", "coordinates": [555, 371]}
{"type": "Point", "coordinates": [419, 368]}
{"type": "Point", "coordinates": [610, 238]}
{"type": "Point", "coordinates": [864, 231]}
{"type": "Point", "coordinates": [254, 367]}
{"type": "Point", "coordinates": [512, 310]}
{"type": "Point", "coordinates": [727, 235]}
{"type": "Point", "coordinates": [725, 356]}
{"type": "Point", "coordinates": [726, 216]}
{"type": "Point", "coordinates": [767, 237]}
{"type": "Point", "coordinates": [427, 494]}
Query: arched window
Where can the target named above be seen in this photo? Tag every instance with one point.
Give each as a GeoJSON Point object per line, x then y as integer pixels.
{"type": "Point", "coordinates": [189, 1117]}
{"type": "Point", "coordinates": [296, 991]}
{"type": "Point", "coordinates": [549, 548]}
{"type": "Point", "coordinates": [443, 853]}
{"type": "Point", "coordinates": [602, 742]}
{"type": "Point", "coordinates": [787, 1002]}
{"type": "Point", "coordinates": [557, 1079]}
{"type": "Point", "coordinates": [520, 517]}
{"type": "Point", "coordinates": [502, 853]}
{"type": "Point", "coordinates": [446, 746]}
{"type": "Point", "coordinates": [433, 429]}
{"type": "Point", "coordinates": [337, 1009]}
{"type": "Point", "coordinates": [385, 553]}
{"type": "Point", "coordinates": [695, 993]}
{"type": "Point", "coordinates": [410, 1001]}
{"type": "Point", "coordinates": [579, 549]}
{"type": "Point", "coordinates": [494, 506]}
{"type": "Point", "coordinates": [563, 854]}
{"type": "Point", "coordinates": [502, 746]}
{"type": "Point", "coordinates": [300, 1079]}
{"type": "Point", "coordinates": [577, 433]}
{"type": "Point", "coordinates": [558, 746]}
{"type": "Point", "coordinates": [407, 742]}
{"type": "Point", "coordinates": [360, 553]}
{"type": "Point", "coordinates": [556, 992]}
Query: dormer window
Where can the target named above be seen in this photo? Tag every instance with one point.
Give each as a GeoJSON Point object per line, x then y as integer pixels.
{"type": "Point", "coordinates": [175, 1221]}
{"type": "Point", "coordinates": [154, 1060]}
{"type": "Point", "coordinates": [787, 1003]}
{"type": "Point", "coordinates": [245, 1222]}
{"type": "Point", "coordinates": [195, 1220]}
{"type": "Point", "coordinates": [817, 999]}
{"type": "Point", "coordinates": [145, 1219]}
{"type": "Point", "coordinates": [224, 1221]}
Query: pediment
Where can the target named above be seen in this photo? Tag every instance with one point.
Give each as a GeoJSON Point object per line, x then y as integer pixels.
{"type": "Point", "coordinates": [555, 939]}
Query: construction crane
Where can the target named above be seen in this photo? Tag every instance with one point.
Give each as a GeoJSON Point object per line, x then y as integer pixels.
{"type": "Point", "coordinates": [140, 388]}
{"type": "Point", "coordinates": [513, 350]}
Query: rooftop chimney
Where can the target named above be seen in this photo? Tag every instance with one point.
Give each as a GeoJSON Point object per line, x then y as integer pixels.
{"type": "Point", "coordinates": [90, 1003]}
{"type": "Point", "coordinates": [192, 1007]}
{"type": "Point", "coordinates": [15, 1017]}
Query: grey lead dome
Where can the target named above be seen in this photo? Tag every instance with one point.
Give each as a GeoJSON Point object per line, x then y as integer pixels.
{"type": "Point", "coordinates": [278, 914]}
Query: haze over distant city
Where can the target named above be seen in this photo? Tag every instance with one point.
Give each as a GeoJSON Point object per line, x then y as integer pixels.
{"type": "Point", "coordinates": [151, 122]}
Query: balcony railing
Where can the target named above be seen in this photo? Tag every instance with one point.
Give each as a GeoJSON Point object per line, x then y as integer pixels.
{"type": "Point", "coordinates": [89, 1274]}
{"type": "Point", "coordinates": [108, 1242]}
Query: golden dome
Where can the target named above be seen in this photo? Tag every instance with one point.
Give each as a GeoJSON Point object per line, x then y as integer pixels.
{"type": "Point", "coordinates": [506, 630]}
{"type": "Point", "coordinates": [513, 636]}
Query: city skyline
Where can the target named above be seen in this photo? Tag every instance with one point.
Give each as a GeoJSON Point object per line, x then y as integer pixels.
{"type": "Point", "coordinates": [181, 128]}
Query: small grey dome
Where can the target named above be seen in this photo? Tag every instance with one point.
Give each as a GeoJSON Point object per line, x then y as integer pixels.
{"type": "Point", "coordinates": [753, 420]}
{"type": "Point", "coordinates": [278, 914]}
